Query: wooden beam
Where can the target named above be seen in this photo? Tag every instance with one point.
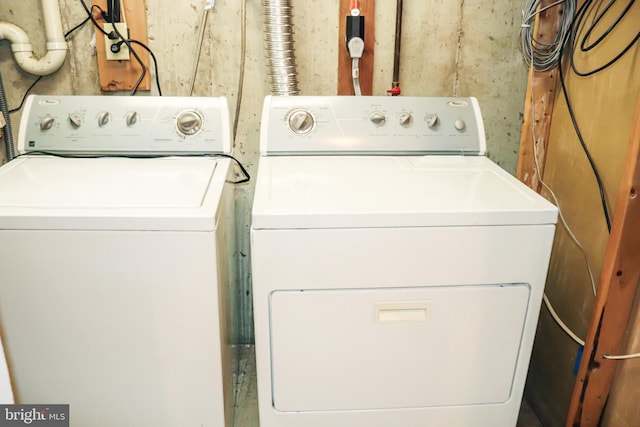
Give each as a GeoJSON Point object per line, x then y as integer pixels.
{"type": "Point", "coordinates": [123, 75]}
{"type": "Point", "coordinates": [345, 83]}
{"type": "Point", "coordinates": [539, 99]}
{"type": "Point", "coordinates": [616, 292]}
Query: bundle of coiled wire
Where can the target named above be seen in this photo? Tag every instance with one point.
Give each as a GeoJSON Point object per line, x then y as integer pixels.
{"type": "Point", "coordinates": [544, 56]}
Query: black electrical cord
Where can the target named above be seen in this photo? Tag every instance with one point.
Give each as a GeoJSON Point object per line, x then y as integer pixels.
{"type": "Point", "coordinates": [586, 46]}
{"type": "Point", "coordinates": [155, 61]}
{"type": "Point", "coordinates": [246, 177]}
{"type": "Point", "coordinates": [77, 27]}
{"type": "Point", "coordinates": [93, 20]}
{"type": "Point", "coordinates": [596, 173]}
{"type": "Point", "coordinates": [596, 21]}
{"type": "Point", "coordinates": [24, 97]}
{"type": "Point", "coordinates": [603, 199]}
{"type": "Point", "coordinates": [113, 11]}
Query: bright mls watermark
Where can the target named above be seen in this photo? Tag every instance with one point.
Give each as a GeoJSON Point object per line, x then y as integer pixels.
{"type": "Point", "coordinates": [34, 415]}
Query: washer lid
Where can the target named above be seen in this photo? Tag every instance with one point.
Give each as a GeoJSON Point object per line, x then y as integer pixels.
{"type": "Point", "coordinates": [173, 193]}
{"type": "Point", "coordinates": [392, 191]}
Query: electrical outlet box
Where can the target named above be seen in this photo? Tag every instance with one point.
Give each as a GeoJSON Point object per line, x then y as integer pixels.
{"type": "Point", "coordinates": [123, 53]}
{"type": "Point", "coordinates": [122, 75]}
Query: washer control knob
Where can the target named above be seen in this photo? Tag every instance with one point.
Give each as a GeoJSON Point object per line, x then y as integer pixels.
{"type": "Point", "coordinates": [189, 123]}
{"type": "Point", "coordinates": [460, 124]}
{"type": "Point", "coordinates": [104, 118]}
{"type": "Point", "coordinates": [405, 119]}
{"type": "Point", "coordinates": [75, 121]}
{"type": "Point", "coordinates": [432, 120]}
{"type": "Point", "coordinates": [47, 123]}
{"type": "Point", "coordinates": [301, 122]}
{"type": "Point", "coordinates": [131, 118]}
{"type": "Point", "coordinates": [377, 118]}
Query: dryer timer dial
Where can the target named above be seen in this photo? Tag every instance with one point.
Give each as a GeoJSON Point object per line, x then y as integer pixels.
{"type": "Point", "coordinates": [189, 123]}
{"type": "Point", "coordinates": [301, 122]}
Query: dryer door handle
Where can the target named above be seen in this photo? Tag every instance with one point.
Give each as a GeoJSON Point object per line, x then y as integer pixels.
{"type": "Point", "coordinates": [402, 312]}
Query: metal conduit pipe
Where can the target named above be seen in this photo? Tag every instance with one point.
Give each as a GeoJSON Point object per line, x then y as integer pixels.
{"type": "Point", "coordinates": [279, 46]}
{"type": "Point", "coordinates": [23, 51]}
{"type": "Point", "coordinates": [6, 129]}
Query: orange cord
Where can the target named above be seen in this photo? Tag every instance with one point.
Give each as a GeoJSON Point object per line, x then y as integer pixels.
{"type": "Point", "coordinates": [354, 4]}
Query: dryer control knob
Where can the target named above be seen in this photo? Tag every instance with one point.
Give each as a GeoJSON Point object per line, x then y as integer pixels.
{"type": "Point", "coordinates": [301, 122]}
{"type": "Point", "coordinates": [131, 118]}
{"type": "Point", "coordinates": [460, 124]}
{"type": "Point", "coordinates": [189, 123]}
{"type": "Point", "coordinates": [405, 119]}
{"type": "Point", "coordinates": [432, 120]}
{"type": "Point", "coordinates": [47, 123]}
{"type": "Point", "coordinates": [377, 118]}
{"type": "Point", "coordinates": [104, 118]}
{"type": "Point", "coordinates": [75, 121]}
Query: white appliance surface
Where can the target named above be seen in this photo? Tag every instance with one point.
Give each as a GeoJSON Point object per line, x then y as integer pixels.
{"type": "Point", "coordinates": [391, 191]}
{"type": "Point", "coordinates": [402, 334]}
{"type": "Point", "coordinates": [44, 192]}
{"type": "Point", "coordinates": [115, 260]}
{"type": "Point", "coordinates": [397, 272]}
{"type": "Point", "coordinates": [6, 392]}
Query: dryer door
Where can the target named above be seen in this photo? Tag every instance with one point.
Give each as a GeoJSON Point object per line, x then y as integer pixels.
{"type": "Point", "coordinates": [359, 349]}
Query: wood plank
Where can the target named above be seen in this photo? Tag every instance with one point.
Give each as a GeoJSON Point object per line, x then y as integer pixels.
{"type": "Point", "coordinates": [539, 99]}
{"type": "Point", "coordinates": [123, 75]}
{"type": "Point", "coordinates": [345, 83]}
{"type": "Point", "coordinates": [618, 286]}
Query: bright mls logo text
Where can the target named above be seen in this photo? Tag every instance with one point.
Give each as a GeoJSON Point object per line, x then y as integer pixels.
{"type": "Point", "coordinates": [38, 415]}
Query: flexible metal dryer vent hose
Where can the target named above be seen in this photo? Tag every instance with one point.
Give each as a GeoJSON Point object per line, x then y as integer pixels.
{"type": "Point", "coordinates": [6, 130]}
{"type": "Point", "coordinates": [280, 52]}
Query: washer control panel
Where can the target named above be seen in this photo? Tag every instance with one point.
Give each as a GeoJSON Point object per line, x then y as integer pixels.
{"type": "Point", "coordinates": [125, 125]}
{"type": "Point", "coordinates": [371, 124]}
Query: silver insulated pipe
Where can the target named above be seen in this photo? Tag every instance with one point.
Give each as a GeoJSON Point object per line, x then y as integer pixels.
{"type": "Point", "coordinates": [281, 59]}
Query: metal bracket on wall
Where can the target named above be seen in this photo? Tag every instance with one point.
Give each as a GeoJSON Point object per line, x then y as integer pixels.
{"type": "Point", "coordinates": [345, 82]}
{"type": "Point", "coordinates": [118, 75]}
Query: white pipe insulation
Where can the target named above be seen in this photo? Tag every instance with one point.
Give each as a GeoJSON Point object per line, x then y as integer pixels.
{"type": "Point", "coordinates": [23, 51]}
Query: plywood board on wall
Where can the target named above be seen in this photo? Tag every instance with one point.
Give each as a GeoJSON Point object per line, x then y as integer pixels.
{"type": "Point", "coordinates": [604, 109]}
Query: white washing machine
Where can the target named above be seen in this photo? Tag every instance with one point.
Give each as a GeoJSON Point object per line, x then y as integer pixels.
{"type": "Point", "coordinates": [116, 258]}
{"type": "Point", "coordinates": [397, 272]}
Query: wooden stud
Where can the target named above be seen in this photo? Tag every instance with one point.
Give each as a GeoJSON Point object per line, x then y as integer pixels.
{"type": "Point", "coordinates": [123, 75]}
{"type": "Point", "coordinates": [616, 295]}
{"type": "Point", "coordinates": [539, 98]}
{"type": "Point", "coordinates": [345, 83]}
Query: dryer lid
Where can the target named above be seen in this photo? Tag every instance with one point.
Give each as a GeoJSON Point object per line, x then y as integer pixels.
{"type": "Point", "coordinates": [173, 193]}
{"type": "Point", "coordinates": [392, 191]}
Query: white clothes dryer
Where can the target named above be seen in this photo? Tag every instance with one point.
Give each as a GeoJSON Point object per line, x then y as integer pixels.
{"type": "Point", "coordinates": [117, 258]}
{"type": "Point", "coordinates": [397, 272]}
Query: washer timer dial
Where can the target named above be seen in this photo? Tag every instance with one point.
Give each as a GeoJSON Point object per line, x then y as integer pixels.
{"type": "Point", "coordinates": [189, 123]}
{"type": "Point", "coordinates": [301, 122]}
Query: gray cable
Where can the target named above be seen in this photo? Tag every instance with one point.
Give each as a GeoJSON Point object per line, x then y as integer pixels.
{"type": "Point", "coordinates": [243, 56]}
{"type": "Point", "coordinates": [543, 56]}
{"type": "Point", "coordinates": [196, 57]}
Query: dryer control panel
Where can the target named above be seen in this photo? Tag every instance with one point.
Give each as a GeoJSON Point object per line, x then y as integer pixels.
{"type": "Point", "coordinates": [371, 124]}
{"type": "Point", "coordinates": [125, 125]}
